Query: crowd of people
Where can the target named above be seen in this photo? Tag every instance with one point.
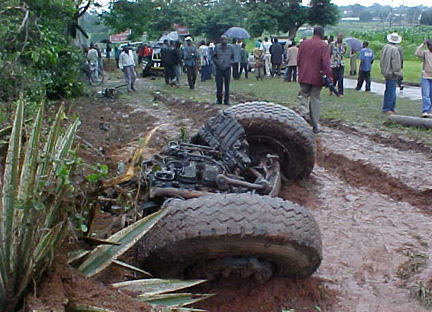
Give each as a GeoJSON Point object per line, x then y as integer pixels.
{"type": "Point", "coordinates": [307, 62]}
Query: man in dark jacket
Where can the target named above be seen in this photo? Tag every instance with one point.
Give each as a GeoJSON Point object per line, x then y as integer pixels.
{"type": "Point", "coordinates": [276, 51]}
{"type": "Point", "coordinates": [223, 57]}
{"type": "Point", "coordinates": [313, 62]}
{"type": "Point", "coordinates": [166, 62]}
{"type": "Point", "coordinates": [190, 55]}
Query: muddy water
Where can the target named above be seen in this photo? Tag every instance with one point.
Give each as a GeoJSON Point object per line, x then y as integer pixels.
{"type": "Point", "coordinates": [363, 233]}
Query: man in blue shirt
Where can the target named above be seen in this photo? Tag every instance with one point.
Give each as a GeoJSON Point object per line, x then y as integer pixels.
{"type": "Point", "coordinates": [366, 60]}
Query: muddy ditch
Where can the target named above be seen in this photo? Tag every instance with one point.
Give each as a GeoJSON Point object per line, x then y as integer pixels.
{"type": "Point", "coordinates": [366, 192]}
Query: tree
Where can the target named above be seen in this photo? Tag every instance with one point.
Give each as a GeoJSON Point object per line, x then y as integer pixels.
{"type": "Point", "coordinates": [36, 58]}
{"type": "Point", "coordinates": [426, 17]}
{"type": "Point", "coordinates": [288, 15]}
{"type": "Point", "coordinates": [413, 15]}
{"type": "Point", "coordinates": [223, 15]}
{"type": "Point", "coordinates": [261, 18]}
{"type": "Point", "coordinates": [276, 15]}
{"type": "Point", "coordinates": [155, 17]}
{"type": "Point", "coordinates": [294, 15]}
{"type": "Point", "coordinates": [366, 16]}
{"type": "Point", "coordinates": [136, 16]}
{"type": "Point", "coordinates": [323, 13]}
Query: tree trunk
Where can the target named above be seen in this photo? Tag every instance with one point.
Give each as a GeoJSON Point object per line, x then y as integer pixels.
{"type": "Point", "coordinates": [293, 31]}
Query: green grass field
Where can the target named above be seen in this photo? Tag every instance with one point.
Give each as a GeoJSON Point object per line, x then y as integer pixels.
{"type": "Point", "coordinates": [357, 109]}
{"type": "Point", "coordinates": [411, 71]}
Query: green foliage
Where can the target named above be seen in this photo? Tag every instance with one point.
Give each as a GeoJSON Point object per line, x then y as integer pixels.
{"type": "Point", "coordinates": [94, 27]}
{"type": "Point", "coordinates": [101, 171]}
{"type": "Point", "coordinates": [260, 18]}
{"type": "Point", "coordinates": [426, 18]}
{"type": "Point", "coordinates": [124, 15]}
{"type": "Point", "coordinates": [35, 202]}
{"type": "Point", "coordinates": [323, 13]}
{"type": "Point", "coordinates": [224, 14]}
{"type": "Point", "coordinates": [365, 16]}
{"type": "Point", "coordinates": [154, 17]}
{"type": "Point", "coordinates": [276, 16]}
{"type": "Point", "coordinates": [213, 18]}
{"type": "Point", "coordinates": [36, 58]}
{"type": "Point", "coordinates": [411, 39]}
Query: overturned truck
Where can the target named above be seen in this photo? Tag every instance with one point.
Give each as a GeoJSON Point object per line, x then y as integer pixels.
{"type": "Point", "coordinates": [220, 190]}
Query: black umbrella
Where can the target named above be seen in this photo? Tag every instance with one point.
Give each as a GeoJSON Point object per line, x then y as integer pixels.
{"type": "Point", "coordinates": [105, 41]}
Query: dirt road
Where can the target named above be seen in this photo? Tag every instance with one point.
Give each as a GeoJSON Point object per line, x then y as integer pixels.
{"type": "Point", "coordinates": [370, 193]}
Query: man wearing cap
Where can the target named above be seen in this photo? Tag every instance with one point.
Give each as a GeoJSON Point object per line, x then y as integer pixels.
{"type": "Point", "coordinates": [391, 70]}
{"type": "Point", "coordinates": [223, 57]}
{"type": "Point", "coordinates": [190, 54]}
{"type": "Point", "coordinates": [426, 79]}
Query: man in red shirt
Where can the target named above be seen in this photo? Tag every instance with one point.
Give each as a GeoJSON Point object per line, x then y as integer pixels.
{"type": "Point", "coordinates": [313, 61]}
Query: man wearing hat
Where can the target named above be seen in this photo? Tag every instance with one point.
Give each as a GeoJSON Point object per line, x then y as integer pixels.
{"type": "Point", "coordinates": [190, 54]}
{"type": "Point", "coordinates": [391, 69]}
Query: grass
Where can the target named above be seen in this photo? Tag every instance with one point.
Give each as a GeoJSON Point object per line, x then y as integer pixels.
{"type": "Point", "coordinates": [356, 109]}
{"type": "Point", "coordinates": [411, 71]}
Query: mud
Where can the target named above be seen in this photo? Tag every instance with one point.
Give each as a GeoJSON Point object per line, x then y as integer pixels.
{"type": "Point", "coordinates": [63, 288]}
{"type": "Point", "coordinates": [276, 294]}
{"type": "Point", "coordinates": [370, 192]}
{"type": "Point", "coordinates": [393, 172]}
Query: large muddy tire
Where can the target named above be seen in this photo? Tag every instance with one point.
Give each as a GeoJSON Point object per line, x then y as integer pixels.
{"type": "Point", "coordinates": [282, 130]}
{"type": "Point", "coordinates": [202, 230]}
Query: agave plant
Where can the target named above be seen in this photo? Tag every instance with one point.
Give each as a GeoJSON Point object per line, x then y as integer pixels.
{"type": "Point", "coordinates": [34, 202]}
{"type": "Point", "coordinates": [152, 290]}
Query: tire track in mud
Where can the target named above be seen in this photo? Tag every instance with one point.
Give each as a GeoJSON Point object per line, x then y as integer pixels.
{"type": "Point", "coordinates": [397, 172]}
{"type": "Point", "coordinates": [391, 140]}
{"type": "Point", "coordinates": [365, 192]}
{"type": "Point", "coordinates": [365, 234]}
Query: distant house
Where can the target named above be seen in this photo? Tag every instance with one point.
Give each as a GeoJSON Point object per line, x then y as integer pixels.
{"type": "Point", "coordinates": [350, 19]}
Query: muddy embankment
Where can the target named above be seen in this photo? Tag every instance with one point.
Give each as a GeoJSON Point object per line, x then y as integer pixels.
{"type": "Point", "coordinates": [370, 193]}
{"type": "Point", "coordinates": [372, 196]}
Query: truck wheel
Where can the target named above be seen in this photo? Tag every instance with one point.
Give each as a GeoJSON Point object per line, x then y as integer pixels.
{"type": "Point", "coordinates": [217, 232]}
{"type": "Point", "coordinates": [278, 129]}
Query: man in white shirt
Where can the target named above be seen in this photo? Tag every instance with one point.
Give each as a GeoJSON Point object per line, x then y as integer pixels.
{"type": "Point", "coordinates": [267, 56]}
{"type": "Point", "coordinates": [426, 78]}
{"type": "Point", "coordinates": [93, 56]}
{"type": "Point", "coordinates": [127, 65]}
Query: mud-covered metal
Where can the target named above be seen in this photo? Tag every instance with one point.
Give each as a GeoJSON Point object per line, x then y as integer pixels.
{"type": "Point", "coordinates": [216, 160]}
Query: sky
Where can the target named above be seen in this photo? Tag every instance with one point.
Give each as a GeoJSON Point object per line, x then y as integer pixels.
{"type": "Point", "coordinates": [394, 3]}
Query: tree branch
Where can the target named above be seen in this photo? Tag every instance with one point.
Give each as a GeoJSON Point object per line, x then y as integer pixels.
{"type": "Point", "coordinates": [84, 9]}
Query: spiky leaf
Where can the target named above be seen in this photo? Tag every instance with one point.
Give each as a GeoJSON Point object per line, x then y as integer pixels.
{"type": "Point", "coordinates": [156, 286]}
{"type": "Point", "coordinates": [102, 256]}
{"type": "Point", "coordinates": [174, 300]}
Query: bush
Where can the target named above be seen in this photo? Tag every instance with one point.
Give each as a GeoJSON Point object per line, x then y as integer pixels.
{"type": "Point", "coordinates": [412, 38]}
{"type": "Point", "coordinates": [36, 56]}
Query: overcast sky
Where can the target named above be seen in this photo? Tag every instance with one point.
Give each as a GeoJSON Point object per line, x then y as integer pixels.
{"type": "Point", "coordinates": [395, 3]}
